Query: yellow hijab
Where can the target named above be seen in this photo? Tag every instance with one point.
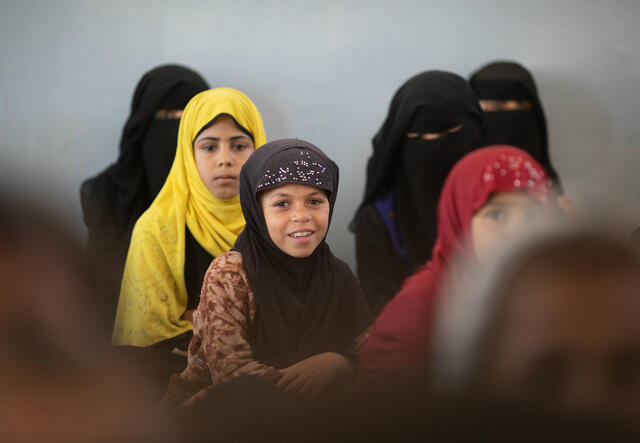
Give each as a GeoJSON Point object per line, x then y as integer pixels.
{"type": "Point", "coordinates": [153, 296]}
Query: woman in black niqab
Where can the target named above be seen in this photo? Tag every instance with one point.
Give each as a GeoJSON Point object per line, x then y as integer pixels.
{"type": "Point", "coordinates": [113, 200]}
{"type": "Point", "coordinates": [433, 121]}
{"type": "Point", "coordinates": [514, 116]}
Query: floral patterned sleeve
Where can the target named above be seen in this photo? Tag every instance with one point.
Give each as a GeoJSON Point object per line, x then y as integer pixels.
{"type": "Point", "coordinates": [219, 350]}
{"type": "Point", "coordinates": [222, 322]}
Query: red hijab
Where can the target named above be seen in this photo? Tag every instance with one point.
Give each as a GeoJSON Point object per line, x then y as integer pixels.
{"type": "Point", "coordinates": [399, 339]}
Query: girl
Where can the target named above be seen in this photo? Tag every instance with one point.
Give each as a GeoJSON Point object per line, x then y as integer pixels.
{"type": "Point", "coordinates": [114, 199]}
{"type": "Point", "coordinates": [195, 217]}
{"type": "Point", "coordinates": [279, 306]}
{"type": "Point", "coordinates": [434, 120]}
{"type": "Point", "coordinates": [489, 194]}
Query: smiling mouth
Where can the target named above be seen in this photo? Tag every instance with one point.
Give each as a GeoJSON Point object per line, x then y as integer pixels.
{"type": "Point", "coordinates": [301, 234]}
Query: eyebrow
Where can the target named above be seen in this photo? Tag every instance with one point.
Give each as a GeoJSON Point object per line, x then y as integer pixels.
{"type": "Point", "coordinates": [216, 139]}
{"type": "Point", "coordinates": [488, 204]}
{"type": "Point", "coordinates": [284, 194]}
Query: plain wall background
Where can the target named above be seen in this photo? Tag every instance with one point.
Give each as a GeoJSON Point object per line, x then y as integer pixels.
{"type": "Point", "coordinates": [323, 71]}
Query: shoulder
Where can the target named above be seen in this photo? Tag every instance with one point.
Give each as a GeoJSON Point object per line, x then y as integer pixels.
{"type": "Point", "coordinates": [409, 312]}
{"type": "Point", "coordinates": [370, 226]}
{"type": "Point", "coordinates": [368, 214]}
{"type": "Point", "coordinates": [228, 262]}
{"type": "Point", "coordinates": [341, 265]}
{"type": "Point", "coordinates": [227, 269]}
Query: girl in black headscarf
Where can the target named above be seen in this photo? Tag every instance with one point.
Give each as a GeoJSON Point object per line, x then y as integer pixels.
{"type": "Point", "coordinates": [279, 306]}
{"type": "Point", "coordinates": [514, 116]}
{"type": "Point", "coordinates": [433, 121]}
{"type": "Point", "coordinates": [113, 200]}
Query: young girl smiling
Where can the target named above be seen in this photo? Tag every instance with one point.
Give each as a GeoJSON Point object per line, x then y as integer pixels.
{"type": "Point", "coordinates": [279, 306]}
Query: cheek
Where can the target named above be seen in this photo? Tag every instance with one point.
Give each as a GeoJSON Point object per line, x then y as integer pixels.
{"type": "Point", "coordinates": [276, 224]}
{"type": "Point", "coordinates": [243, 156]}
{"type": "Point", "coordinates": [484, 236]}
{"type": "Point", "coordinates": [201, 160]}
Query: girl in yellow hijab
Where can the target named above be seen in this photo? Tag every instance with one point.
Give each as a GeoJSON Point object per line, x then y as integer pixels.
{"type": "Point", "coordinates": [197, 210]}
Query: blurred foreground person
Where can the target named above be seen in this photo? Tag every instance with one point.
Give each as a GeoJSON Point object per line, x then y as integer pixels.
{"type": "Point", "coordinates": [555, 324]}
{"type": "Point", "coordinates": [58, 379]}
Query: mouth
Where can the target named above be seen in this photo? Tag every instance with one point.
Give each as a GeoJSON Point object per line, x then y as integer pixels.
{"type": "Point", "coordinates": [301, 235]}
{"type": "Point", "coordinates": [225, 178]}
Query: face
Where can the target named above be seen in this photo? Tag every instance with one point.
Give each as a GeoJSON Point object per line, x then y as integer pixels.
{"type": "Point", "coordinates": [502, 216]}
{"type": "Point", "coordinates": [571, 339]}
{"type": "Point", "coordinates": [219, 152]}
{"type": "Point", "coordinates": [297, 217]}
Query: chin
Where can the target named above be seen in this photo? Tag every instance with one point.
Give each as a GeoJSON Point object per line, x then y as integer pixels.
{"type": "Point", "coordinates": [224, 194]}
{"type": "Point", "coordinates": [299, 254]}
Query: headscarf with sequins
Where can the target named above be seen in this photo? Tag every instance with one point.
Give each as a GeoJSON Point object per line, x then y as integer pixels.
{"type": "Point", "coordinates": [400, 336]}
{"type": "Point", "coordinates": [305, 306]}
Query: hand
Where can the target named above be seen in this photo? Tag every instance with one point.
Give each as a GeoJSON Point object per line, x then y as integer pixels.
{"type": "Point", "coordinates": [310, 376]}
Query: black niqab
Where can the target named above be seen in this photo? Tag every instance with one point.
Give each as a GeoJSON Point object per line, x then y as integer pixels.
{"type": "Point", "coordinates": [113, 200]}
{"type": "Point", "coordinates": [118, 196]}
{"type": "Point", "coordinates": [415, 168]}
{"type": "Point", "coordinates": [525, 129]}
{"type": "Point", "coordinates": [305, 306]}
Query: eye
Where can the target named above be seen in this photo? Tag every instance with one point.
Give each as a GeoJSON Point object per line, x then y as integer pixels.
{"type": "Point", "coordinates": [239, 146]}
{"type": "Point", "coordinates": [455, 129]}
{"type": "Point", "coordinates": [281, 204]}
{"type": "Point", "coordinates": [495, 214]}
{"type": "Point", "coordinates": [316, 202]}
{"type": "Point", "coordinates": [208, 147]}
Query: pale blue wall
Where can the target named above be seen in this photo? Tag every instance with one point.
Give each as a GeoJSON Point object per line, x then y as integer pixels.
{"type": "Point", "coordinates": [324, 71]}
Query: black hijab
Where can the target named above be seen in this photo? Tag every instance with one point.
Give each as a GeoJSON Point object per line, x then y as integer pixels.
{"type": "Point", "coordinates": [525, 129]}
{"type": "Point", "coordinates": [113, 200]}
{"type": "Point", "coordinates": [305, 306]}
{"type": "Point", "coordinates": [413, 168]}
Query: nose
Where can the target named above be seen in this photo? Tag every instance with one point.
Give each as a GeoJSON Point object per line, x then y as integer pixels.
{"type": "Point", "coordinates": [300, 214]}
{"type": "Point", "coordinates": [516, 225]}
{"type": "Point", "coordinates": [224, 157]}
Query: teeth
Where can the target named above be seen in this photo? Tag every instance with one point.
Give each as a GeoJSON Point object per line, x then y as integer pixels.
{"type": "Point", "coordinates": [301, 234]}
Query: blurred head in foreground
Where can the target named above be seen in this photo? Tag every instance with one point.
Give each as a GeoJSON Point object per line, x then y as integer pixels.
{"type": "Point", "coordinates": [57, 378]}
{"type": "Point", "coordinates": [554, 323]}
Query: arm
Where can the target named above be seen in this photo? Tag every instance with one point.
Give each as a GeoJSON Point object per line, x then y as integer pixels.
{"type": "Point", "coordinates": [151, 305]}
{"type": "Point", "coordinates": [223, 321]}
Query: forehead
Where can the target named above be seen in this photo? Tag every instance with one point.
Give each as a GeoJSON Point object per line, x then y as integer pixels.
{"type": "Point", "coordinates": [293, 190]}
{"type": "Point", "coordinates": [511, 198]}
{"type": "Point", "coordinates": [224, 126]}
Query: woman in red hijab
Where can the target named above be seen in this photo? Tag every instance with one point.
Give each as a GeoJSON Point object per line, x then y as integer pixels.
{"type": "Point", "coordinates": [489, 194]}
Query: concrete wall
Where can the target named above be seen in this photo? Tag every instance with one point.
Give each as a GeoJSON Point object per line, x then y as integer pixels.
{"type": "Point", "coordinates": [322, 71]}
